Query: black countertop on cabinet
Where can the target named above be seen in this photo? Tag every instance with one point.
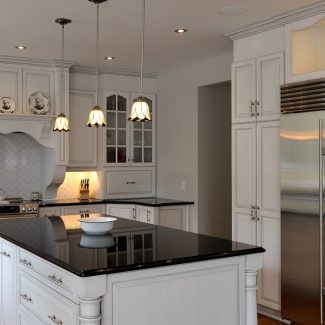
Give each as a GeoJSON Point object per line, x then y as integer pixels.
{"type": "Point", "coordinates": [150, 201]}
{"type": "Point", "coordinates": [131, 245]}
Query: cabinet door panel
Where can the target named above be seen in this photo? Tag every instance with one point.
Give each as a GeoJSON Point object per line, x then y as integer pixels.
{"type": "Point", "coordinates": [244, 166]}
{"type": "Point", "coordinates": [268, 168]}
{"type": "Point", "coordinates": [244, 230]}
{"type": "Point", "coordinates": [269, 288]}
{"type": "Point", "coordinates": [145, 214]}
{"type": "Point", "coordinates": [243, 91]}
{"type": "Point", "coordinates": [82, 140]}
{"type": "Point", "coordinates": [270, 76]}
{"type": "Point", "coordinates": [127, 211]}
{"type": "Point", "coordinates": [172, 217]}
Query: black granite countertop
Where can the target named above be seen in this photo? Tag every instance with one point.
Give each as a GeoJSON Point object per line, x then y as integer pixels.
{"type": "Point", "coordinates": [130, 246]}
{"type": "Point", "coordinates": [150, 201]}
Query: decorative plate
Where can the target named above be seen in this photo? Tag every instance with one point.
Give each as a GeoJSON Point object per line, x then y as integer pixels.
{"type": "Point", "coordinates": [39, 103]}
{"type": "Point", "coordinates": [7, 105]}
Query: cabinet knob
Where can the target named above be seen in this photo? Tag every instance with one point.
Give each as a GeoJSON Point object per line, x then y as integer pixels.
{"type": "Point", "coordinates": [55, 279]}
{"type": "Point", "coordinates": [55, 320]}
{"type": "Point", "coordinates": [5, 254]}
{"type": "Point", "coordinates": [25, 262]}
{"type": "Point", "coordinates": [25, 297]}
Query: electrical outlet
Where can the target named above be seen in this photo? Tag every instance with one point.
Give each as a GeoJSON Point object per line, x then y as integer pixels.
{"type": "Point", "coordinates": [183, 185]}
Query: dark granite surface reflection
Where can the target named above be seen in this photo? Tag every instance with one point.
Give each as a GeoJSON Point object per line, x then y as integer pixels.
{"type": "Point", "coordinates": [130, 246]}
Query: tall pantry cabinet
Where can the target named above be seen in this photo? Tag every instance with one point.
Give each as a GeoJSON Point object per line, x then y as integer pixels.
{"type": "Point", "coordinates": [256, 165]}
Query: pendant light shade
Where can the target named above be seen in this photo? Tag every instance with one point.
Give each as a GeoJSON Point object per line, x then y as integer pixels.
{"type": "Point", "coordinates": [96, 116]}
{"type": "Point", "coordinates": [140, 111]}
{"type": "Point", "coordinates": [62, 122]}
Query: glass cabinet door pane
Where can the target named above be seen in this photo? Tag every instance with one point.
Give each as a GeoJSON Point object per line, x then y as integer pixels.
{"type": "Point", "coordinates": [111, 103]}
{"type": "Point", "coordinates": [121, 120]}
{"type": "Point", "coordinates": [148, 138]}
{"type": "Point", "coordinates": [148, 256]}
{"type": "Point", "coordinates": [148, 125]}
{"type": "Point", "coordinates": [111, 154]}
{"type": "Point", "coordinates": [121, 137]}
{"type": "Point", "coordinates": [137, 155]}
{"type": "Point", "coordinates": [137, 138]}
{"type": "Point", "coordinates": [121, 104]}
{"type": "Point", "coordinates": [148, 241]}
{"type": "Point", "coordinates": [111, 119]}
{"type": "Point", "coordinates": [121, 155]}
{"type": "Point", "coordinates": [122, 259]}
{"type": "Point", "coordinates": [137, 125]}
{"type": "Point", "coordinates": [111, 137]}
{"type": "Point", "coordinates": [137, 241]}
{"type": "Point", "coordinates": [111, 260]}
{"type": "Point", "coordinates": [138, 258]}
{"type": "Point", "coordinates": [147, 155]}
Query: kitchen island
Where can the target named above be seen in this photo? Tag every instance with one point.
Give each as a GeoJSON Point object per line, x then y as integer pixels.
{"type": "Point", "coordinates": [53, 273]}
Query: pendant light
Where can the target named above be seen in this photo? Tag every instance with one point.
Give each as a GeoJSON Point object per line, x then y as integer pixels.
{"type": "Point", "coordinates": [61, 122]}
{"type": "Point", "coordinates": [140, 109]}
{"type": "Point", "coordinates": [96, 116]}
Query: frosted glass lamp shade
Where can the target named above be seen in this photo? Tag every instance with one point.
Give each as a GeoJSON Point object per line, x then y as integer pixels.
{"type": "Point", "coordinates": [61, 123]}
{"type": "Point", "coordinates": [140, 111]}
{"type": "Point", "coordinates": [96, 117]}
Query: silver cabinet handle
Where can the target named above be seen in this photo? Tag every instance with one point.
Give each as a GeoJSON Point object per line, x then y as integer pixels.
{"type": "Point", "coordinates": [55, 279]}
{"type": "Point", "coordinates": [54, 320]}
{"type": "Point", "coordinates": [252, 104]}
{"type": "Point", "coordinates": [148, 216]}
{"type": "Point", "coordinates": [253, 216]}
{"type": "Point", "coordinates": [5, 254]}
{"type": "Point", "coordinates": [25, 262]}
{"type": "Point", "coordinates": [257, 209]}
{"type": "Point", "coordinates": [257, 103]}
{"type": "Point", "coordinates": [25, 297]}
{"type": "Point", "coordinates": [134, 213]}
{"type": "Point", "coordinates": [130, 183]}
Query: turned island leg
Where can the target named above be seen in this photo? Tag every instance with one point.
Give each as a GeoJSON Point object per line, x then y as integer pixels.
{"type": "Point", "coordinates": [90, 311]}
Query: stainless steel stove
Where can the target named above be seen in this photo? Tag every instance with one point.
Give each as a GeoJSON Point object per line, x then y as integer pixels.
{"type": "Point", "coordinates": [18, 208]}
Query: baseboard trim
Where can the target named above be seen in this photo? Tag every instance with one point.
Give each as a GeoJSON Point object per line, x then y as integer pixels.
{"type": "Point", "coordinates": [272, 314]}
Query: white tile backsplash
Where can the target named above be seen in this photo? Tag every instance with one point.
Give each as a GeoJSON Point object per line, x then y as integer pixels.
{"type": "Point", "coordinates": [20, 162]}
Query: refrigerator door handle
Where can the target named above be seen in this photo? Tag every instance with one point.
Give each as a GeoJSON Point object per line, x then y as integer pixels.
{"type": "Point", "coordinates": [321, 170]}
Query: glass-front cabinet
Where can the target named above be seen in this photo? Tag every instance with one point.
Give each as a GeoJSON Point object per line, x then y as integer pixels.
{"type": "Point", "coordinates": [128, 143]}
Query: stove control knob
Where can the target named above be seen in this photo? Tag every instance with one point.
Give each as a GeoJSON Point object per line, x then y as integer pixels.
{"type": "Point", "coordinates": [23, 209]}
{"type": "Point", "coordinates": [35, 208]}
{"type": "Point", "coordinates": [29, 209]}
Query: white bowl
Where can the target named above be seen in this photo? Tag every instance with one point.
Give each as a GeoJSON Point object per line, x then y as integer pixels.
{"type": "Point", "coordinates": [97, 241]}
{"type": "Point", "coordinates": [97, 225]}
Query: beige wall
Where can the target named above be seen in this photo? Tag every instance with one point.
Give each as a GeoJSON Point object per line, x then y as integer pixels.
{"type": "Point", "coordinates": [177, 125]}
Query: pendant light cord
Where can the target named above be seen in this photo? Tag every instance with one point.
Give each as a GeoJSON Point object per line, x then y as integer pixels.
{"type": "Point", "coordinates": [142, 44]}
{"type": "Point", "coordinates": [62, 72]}
{"type": "Point", "coordinates": [97, 52]}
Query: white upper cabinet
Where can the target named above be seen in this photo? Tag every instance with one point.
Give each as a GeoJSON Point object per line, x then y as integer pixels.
{"type": "Point", "coordinates": [305, 49]}
{"type": "Point", "coordinates": [243, 91]}
{"type": "Point", "coordinates": [127, 143]}
{"type": "Point", "coordinates": [82, 139]}
{"type": "Point", "coordinates": [256, 89]}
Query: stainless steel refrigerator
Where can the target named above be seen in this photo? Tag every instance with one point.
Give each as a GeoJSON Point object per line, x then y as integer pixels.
{"type": "Point", "coordinates": [302, 191]}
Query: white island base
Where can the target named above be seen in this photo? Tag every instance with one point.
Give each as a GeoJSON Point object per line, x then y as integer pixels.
{"type": "Point", "coordinates": [218, 292]}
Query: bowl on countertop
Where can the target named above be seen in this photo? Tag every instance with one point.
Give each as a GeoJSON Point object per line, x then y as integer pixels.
{"type": "Point", "coordinates": [97, 225]}
{"type": "Point", "coordinates": [97, 241]}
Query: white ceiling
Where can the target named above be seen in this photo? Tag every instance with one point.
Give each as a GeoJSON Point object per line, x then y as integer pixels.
{"type": "Point", "coordinates": [31, 23]}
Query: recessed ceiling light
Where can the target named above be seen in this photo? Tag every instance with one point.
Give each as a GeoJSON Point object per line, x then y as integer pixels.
{"type": "Point", "coordinates": [181, 30]}
{"type": "Point", "coordinates": [20, 47]}
{"type": "Point", "coordinates": [232, 10]}
{"type": "Point", "coordinates": [109, 58]}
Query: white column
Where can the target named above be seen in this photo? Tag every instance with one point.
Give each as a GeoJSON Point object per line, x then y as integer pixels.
{"type": "Point", "coordinates": [251, 301]}
{"type": "Point", "coordinates": [253, 264]}
{"type": "Point", "coordinates": [90, 311]}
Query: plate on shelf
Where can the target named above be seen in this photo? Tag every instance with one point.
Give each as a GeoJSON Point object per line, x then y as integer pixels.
{"type": "Point", "coordinates": [39, 103]}
{"type": "Point", "coordinates": [8, 105]}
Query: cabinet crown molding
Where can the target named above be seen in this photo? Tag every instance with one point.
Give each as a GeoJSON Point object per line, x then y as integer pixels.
{"type": "Point", "coordinates": [278, 21]}
{"type": "Point", "coordinates": [34, 62]}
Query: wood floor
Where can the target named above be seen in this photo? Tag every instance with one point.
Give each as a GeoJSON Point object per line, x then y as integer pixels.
{"type": "Point", "coordinates": [263, 320]}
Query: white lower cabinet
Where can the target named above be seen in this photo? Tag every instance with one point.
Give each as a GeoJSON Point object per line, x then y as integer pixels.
{"type": "Point", "coordinates": [256, 200]}
{"type": "Point", "coordinates": [73, 209]}
{"type": "Point", "coordinates": [175, 216]}
{"type": "Point", "coordinates": [8, 283]}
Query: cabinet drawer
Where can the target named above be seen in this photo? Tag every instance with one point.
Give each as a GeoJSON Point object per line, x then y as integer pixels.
{"type": "Point", "coordinates": [25, 318]}
{"type": "Point", "coordinates": [49, 212]}
{"type": "Point", "coordinates": [146, 214]}
{"type": "Point", "coordinates": [44, 303]}
{"type": "Point", "coordinates": [53, 276]}
{"type": "Point", "coordinates": [129, 182]}
{"type": "Point", "coordinates": [81, 209]}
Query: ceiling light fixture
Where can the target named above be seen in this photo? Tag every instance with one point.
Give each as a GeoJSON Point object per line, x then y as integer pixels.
{"type": "Point", "coordinates": [20, 47]}
{"type": "Point", "coordinates": [96, 116]}
{"type": "Point", "coordinates": [109, 58]}
{"type": "Point", "coordinates": [181, 30]}
{"type": "Point", "coordinates": [140, 111]}
{"type": "Point", "coordinates": [62, 122]}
